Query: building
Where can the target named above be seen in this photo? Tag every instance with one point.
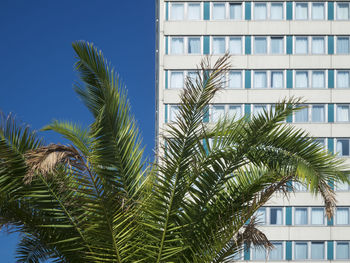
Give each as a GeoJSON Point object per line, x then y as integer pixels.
{"type": "Point", "coordinates": [280, 49]}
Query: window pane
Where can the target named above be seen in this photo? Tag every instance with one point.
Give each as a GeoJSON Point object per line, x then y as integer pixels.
{"type": "Point", "coordinates": [317, 216]}
{"type": "Point", "coordinates": [218, 112]}
{"type": "Point", "coordinates": [301, 11]}
{"type": "Point", "coordinates": [260, 46]}
{"type": "Point", "coordinates": [259, 253]}
{"type": "Point", "coordinates": [300, 251]}
{"type": "Point", "coordinates": [235, 45]}
{"type": "Point", "coordinates": [277, 80]}
{"type": "Point", "coordinates": [342, 186]}
{"type": "Point", "coordinates": [342, 113]}
{"type": "Point", "coordinates": [318, 45]}
{"type": "Point", "coordinates": [318, 113]}
{"type": "Point", "coordinates": [193, 75]}
{"type": "Point", "coordinates": [300, 217]}
{"type": "Point", "coordinates": [235, 112]}
{"type": "Point", "coordinates": [301, 80]}
{"type": "Point", "coordinates": [174, 112]}
{"type": "Point", "coordinates": [317, 250]}
{"type": "Point", "coordinates": [235, 80]}
{"type": "Point", "coordinates": [194, 11]}
{"type": "Point", "coordinates": [260, 80]}
{"type": "Point", "coordinates": [276, 216]}
{"type": "Point", "coordinates": [318, 79]}
{"type": "Point", "coordinates": [177, 80]}
{"type": "Point", "coordinates": [342, 250]}
{"type": "Point", "coordinates": [259, 109]}
{"type": "Point", "coordinates": [218, 45]}
{"type": "Point", "coordinates": [302, 115]}
{"type": "Point", "coordinates": [177, 45]}
{"type": "Point", "coordinates": [342, 11]}
{"type": "Point", "coordinates": [342, 45]}
{"type": "Point", "coordinates": [236, 11]}
{"type": "Point", "coordinates": [260, 11]}
{"type": "Point", "coordinates": [300, 187]}
{"type": "Point", "coordinates": [301, 46]}
{"type": "Point", "coordinates": [277, 45]}
{"type": "Point", "coordinates": [343, 79]}
{"type": "Point", "coordinates": [194, 45]}
{"type": "Point", "coordinates": [218, 11]}
{"type": "Point", "coordinates": [276, 11]}
{"type": "Point", "coordinates": [343, 147]}
{"type": "Point", "coordinates": [318, 11]}
{"type": "Point", "coordinates": [177, 12]}
{"type": "Point", "coordinates": [277, 252]}
{"type": "Point", "coordinates": [342, 216]}
{"type": "Point", "coordinates": [261, 216]}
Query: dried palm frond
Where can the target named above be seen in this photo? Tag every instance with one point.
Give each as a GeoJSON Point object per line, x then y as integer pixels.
{"type": "Point", "coordinates": [44, 160]}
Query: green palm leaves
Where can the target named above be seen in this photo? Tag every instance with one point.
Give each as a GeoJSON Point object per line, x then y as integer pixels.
{"type": "Point", "coordinates": [95, 200]}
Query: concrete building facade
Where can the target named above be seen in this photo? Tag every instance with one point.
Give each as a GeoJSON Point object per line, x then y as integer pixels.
{"type": "Point", "coordinates": [279, 49]}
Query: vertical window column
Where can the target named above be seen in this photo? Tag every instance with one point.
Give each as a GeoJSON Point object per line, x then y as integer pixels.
{"type": "Point", "coordinates": [248, 10]}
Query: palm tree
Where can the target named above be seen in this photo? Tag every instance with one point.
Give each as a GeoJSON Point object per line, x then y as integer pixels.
{"type": "Point", "coordinates": [96, 200]}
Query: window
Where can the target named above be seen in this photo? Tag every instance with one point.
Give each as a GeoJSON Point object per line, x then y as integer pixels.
{"type": "Point", "coordinates": [277, 45]}
{"type": "Point", "coordinates": [236, 11]}
{"type": "Point", "coordinates": [343, 113]}
{"type": "Point", "coordinates": [235, 112]}
{"type": "Point", "coordinates": [177, 11]}
{"type": "Point", "coordinates": [301, 115]}
{"type": "Point", "coordinates": [299, 187]}
{"type": "Point", "coordinates": [276, 11]}
{"type": "Point", "coordinates": [261, 216]}
{"type": "Point", "coordinates": [277, 80]}
{"type": "Point", "coordinates": [342, 216]}
{"type": "Point", "coordinates": [277, 252]}
{"type": "Point", "coordinates": [300, 217]}
{"type": "Point", "coordinates": [317, 250]}
{"type": "Point", "coordinates": [218, 11]}
{"type": "Point", "coordinates": [218, 112]}
{"type": "Point", "coordinates": [194, 45]}
{"type": "Point", "coordinates": [259, 109]}
{"type": "Point", "coordinates": [343, 11]}
{"type": "Point", "coordinates": [342, 250]}
{"type": "Point", "coordinates": [260, 11]}
{"type": "Point", "coordinates": [343, 147]}
{"type": "Point", "coordinates": [260, 45]}
{"type": "Point", "coordinates": [301, 11]}
{"type": "Point", "coordinates": [318, 113]}
{"type": "Point", "coordinates": [194, 11]}
{"type": "Point", "coordinates": [260, 80]}
{"type": "Point", "coordinates": [235, 80]}
{"type": "Point", "coordinates": [342, 186]}
{"type": "Point", "coordinates": [343, 80]}
{"type": "Point", "coordinates": [177, 45]}
{"type": "Point", "coordinates": [176, 80]}
{"type": "Point", "coordinates": [318, 11]}
{"type": "Point", "coordinates": [301, 45]}
{"type": "Point", "coordinates": [300, 250]}
{"type": "Point", "coordinates": [259, 253]}
{"type": "Point", "coordinates": [343, 45]}
{"type": "Point", "coordinates": [318, 45]}
{"type": "Point", "coordinates": [235, 45]}
{"type": "Point", "coordinates": [317, 216]}
{"type": "Point", "coordinates": [219, 45]}
{"type": "Point", "coordinates": [276, 216]}
{"type": "Point", "coordinates": [301, 80]}
{"type": "Point", "coordinates": [318, 79]}
{"type": "Point", "coordinates": [174, 112]}
{"type": "Point", "coordinates": [193, 76]}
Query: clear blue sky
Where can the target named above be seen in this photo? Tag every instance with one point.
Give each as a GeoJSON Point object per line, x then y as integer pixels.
{"type": "Point", "coordinates": [36, 62]}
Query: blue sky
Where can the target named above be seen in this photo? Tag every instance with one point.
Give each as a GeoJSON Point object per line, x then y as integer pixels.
{"type": "Point", "coordinates": [37, 60]}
